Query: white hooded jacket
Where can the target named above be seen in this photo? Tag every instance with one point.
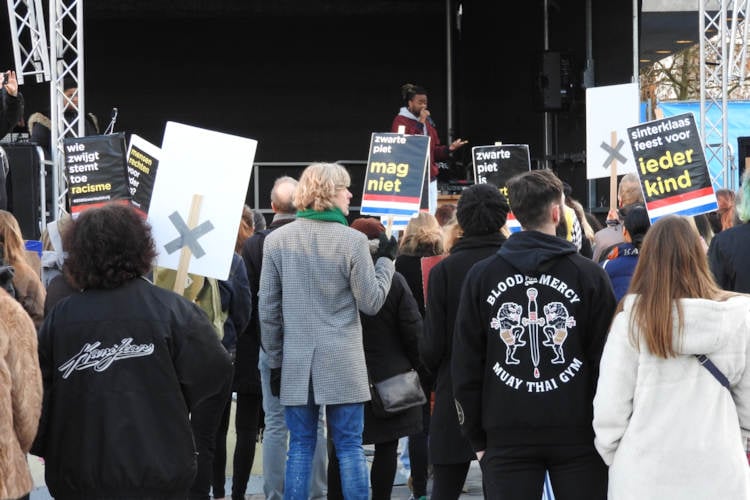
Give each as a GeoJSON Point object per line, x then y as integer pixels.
{"type": "Point", "coordinates": [666, 427]}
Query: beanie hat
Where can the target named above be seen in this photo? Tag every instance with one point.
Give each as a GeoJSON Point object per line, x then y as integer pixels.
{"type": "Point", "coordinates": [482, 209]}
{"type": "Point", "coordinates": [370, 226]}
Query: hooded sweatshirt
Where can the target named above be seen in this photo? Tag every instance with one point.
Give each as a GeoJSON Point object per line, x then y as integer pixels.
{"type": "Point", "coordinates": [531, 325]}
{"type": "Point", "coordinates": [668, 422]}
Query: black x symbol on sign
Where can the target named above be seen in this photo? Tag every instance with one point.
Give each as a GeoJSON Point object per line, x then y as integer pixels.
{"type": "Point", "coordinates": [188, 237]}
{"type": "Point", "coordinates": [614, 153]}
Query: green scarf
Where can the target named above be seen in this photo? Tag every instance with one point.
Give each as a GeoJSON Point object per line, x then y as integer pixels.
{"type": "Point", "coordinates": [333, 214]}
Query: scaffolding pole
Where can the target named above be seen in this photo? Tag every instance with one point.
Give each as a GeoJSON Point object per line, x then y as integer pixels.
{"type": "Point", "coordinates": [30, 51]}
{"type": "Point", "coordinates": [66, 54]}
{"type": "Point", "coordinates": [718, 56]}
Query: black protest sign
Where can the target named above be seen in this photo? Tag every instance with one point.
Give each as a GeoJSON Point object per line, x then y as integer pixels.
{"type": "Point", "coordinates": [142, 163]}
{"type": "Point", "coordinates": [96, 170]}
{"type": "Point", "coordinates": [497, 164]}
{"type": "Point", "coordinates": [395, 174]}
{"type": "Point", "coordinates": [672, 167]}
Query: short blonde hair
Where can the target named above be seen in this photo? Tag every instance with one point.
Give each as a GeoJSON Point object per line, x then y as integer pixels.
{"type": "Point", "coordinates": [318, 184]}
{"type": "Point", "coordinates": [423, 236]}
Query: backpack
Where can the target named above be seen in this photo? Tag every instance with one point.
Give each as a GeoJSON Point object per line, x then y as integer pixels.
{"type": "Point", "coordinates": [201, 290]}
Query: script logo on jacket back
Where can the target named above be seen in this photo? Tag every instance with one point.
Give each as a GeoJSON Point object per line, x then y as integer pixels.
{"type": "Point", "coordinates": [91, 356]}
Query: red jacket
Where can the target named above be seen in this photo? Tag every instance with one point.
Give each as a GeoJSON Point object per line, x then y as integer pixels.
{"type": "Point", "coordinates": [438, 152]}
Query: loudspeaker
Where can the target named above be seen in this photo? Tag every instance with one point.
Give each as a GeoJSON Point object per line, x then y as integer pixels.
{"type": "Point", "coordinates": [554, 82]}
{"type": "Point", "coordinates": [23, 187]}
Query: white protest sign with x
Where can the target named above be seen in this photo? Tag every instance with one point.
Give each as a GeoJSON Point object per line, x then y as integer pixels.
{"type": "Point", "coordinates": [213, 169]}
{"type": "Point", "coordinates": [610, 111]}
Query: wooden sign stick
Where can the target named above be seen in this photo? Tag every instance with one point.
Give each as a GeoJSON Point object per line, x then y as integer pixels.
{"type": "Point", "coordinates": [389, 227]}
{"type": "Point", "coordinates": [613, 175]}
{"type": "Point", "coordinates": [185, 254]}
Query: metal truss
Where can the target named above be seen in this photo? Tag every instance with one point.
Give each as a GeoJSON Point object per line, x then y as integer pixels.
{"type": "Point", "coordinates": [30, 52]}
{"type": "Point", "coordinates": [723, 52]}
{"type": "Point", "coordinates": [60, 63]}
{"type": "Point", "coordinates": [66, 53]}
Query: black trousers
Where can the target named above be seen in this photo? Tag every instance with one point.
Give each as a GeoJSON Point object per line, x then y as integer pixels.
{"type": "Point", "coordinates": [246, 423]}
{"type": "Point", "coordinates": [246, 420]}
{"type": "Point", "coordinates": [382, 472]}
{"type": "Point", "coordinates": [448, 480]}
{"type": "Point", "coordinates": [204, 420]}
{"type": "Point", "coordinates": [418, 458]}
{"type": "Point", "coordinates": [576, 472]}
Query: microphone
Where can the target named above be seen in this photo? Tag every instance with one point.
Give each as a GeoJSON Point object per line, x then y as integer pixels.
{"type": "Point", "coordinates": [111, 127]}
{"type": "Point", "coordinates": [429, 119]}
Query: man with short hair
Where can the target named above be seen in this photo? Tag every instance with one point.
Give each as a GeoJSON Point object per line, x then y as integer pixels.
{"type": "Point", "coordinates": [276, 432]}
{"type": "Point", "coordinates": [629, 192]}
{"type": "Point", "coordinates": [529, 333]}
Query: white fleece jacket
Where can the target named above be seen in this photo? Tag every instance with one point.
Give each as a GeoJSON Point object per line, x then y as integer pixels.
{"type": "Point", "coordinates": [666, 427]}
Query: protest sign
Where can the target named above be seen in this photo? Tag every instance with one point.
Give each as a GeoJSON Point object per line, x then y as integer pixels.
{"type": "Point", "coordinates": [610, 110]}
{"type": "Point", "coordinates": [497, 164]}
{"type": "Point", "coordinates": [95, 166]}
{"type": "Point", "coordinates": [198, 197]}
{"type": "Point", "coordinates": [672, 167]}
{"type": "Point", "coordinates": [395, 174]}
{"type": "Point", "coordinates": [142, 163]}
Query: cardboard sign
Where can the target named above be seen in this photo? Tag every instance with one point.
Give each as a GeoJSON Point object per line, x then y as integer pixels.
{"type": "Point", "coordinates": [395, 174]}
{"type": "Point", "coordinates": [96, 170]}
{"type": "Point", "coordinates": [142, 163]}
{"type": "Point", "coordinates": [497, 164]}
{"type": "Point", "coordinates": [672, 168]}
{"type": "Point", "coordinates": [214, 167]}
{"type": "Point", "coordinates": [610, 110]}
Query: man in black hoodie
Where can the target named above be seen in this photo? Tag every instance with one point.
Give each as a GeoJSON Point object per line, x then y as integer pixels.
{"type": "Point", "coordinates": [530, 329]}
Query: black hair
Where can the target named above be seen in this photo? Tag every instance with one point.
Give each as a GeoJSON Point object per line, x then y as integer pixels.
{"type": "Point", "coordinates": [409, 90]}
{"type": "Point", "coordinates": [107, 247]}
{"type": "Point", "coordinates": [637, 223]}
{"type": "Point", "coordinates": [530, 195]}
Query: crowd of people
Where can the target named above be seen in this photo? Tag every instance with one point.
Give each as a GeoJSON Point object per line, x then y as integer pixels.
{"type": "Point", "coordinates": [612, 360]}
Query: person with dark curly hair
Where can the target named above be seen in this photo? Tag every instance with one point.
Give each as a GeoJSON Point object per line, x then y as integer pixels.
{"type": "Point", "coordinates": [124, 364]}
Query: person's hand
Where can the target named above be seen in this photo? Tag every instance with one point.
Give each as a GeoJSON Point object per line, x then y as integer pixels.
{"type": "Point", "coordinates": [457, 144]}
{"type": "Point", "coordinates": [11, 84]}
{"type": "Point", "coordinates": [423, 115]}
{"type": "Point", "coordinates": [388, 247]}
{"type": "Point", "coordinates": [276, 382]}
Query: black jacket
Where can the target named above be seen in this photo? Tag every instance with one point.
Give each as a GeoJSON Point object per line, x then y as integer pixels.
{"type": "Point", "coordinates": [122, 370]}
{"type": "Point", "coordinates": [391, 343]}
{"type": "Point", "coordinates": [531, 326]}
{"type": "Point", "coordinates": [447, 444]}
{"type": "Point", "coordinates": [727, 256]}
{"type": "Point", "coordinates": [246, 373]}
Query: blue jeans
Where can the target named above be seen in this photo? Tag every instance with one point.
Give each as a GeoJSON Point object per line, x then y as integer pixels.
{"type": "Point", "coordinates": [275, 438]}
{"type": "Point", "coordinates": [345, 423]}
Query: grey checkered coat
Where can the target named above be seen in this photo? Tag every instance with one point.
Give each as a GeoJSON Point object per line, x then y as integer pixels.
{"type": "Point", "coordinates": [315, 277]}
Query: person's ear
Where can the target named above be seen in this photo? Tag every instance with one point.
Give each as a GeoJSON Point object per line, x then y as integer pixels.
{"type": "Point", "coordinates": [556, 212]}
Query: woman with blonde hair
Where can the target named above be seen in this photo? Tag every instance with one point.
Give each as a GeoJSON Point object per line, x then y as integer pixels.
{"type": "Point", "coordinates": [423, 237]}
{"type": "Point", "coordinates": [672, 406]}
{"type": "Point", "coordinates": [317, 275]}
{"type": "Point", "coordinates": [27, 283]}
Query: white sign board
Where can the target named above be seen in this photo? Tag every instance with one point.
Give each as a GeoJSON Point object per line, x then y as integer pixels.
{"type": "Point", "coordinates": [610, 109]}
{"type": "Point", "coordinates": [211, 164]}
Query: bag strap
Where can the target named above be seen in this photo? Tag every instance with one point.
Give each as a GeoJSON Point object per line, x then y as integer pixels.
{"type": "Point", "coordinates": [711, 367]}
